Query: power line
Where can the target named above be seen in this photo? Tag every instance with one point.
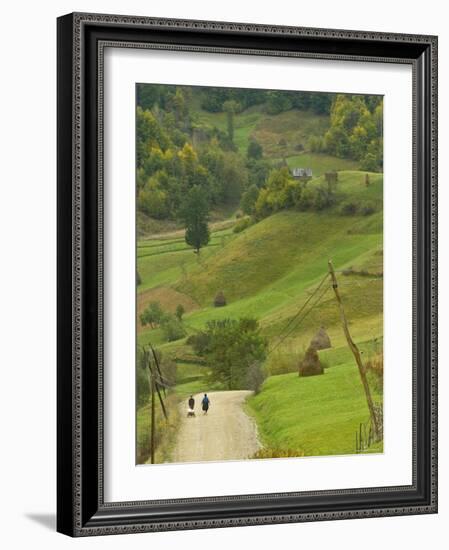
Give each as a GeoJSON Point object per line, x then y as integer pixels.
{"type": "Point", "coordinates": [306, 302]}
{"type": "Point", "coordinates": [295, 317]}
{"type": "Point", "coordinates": [302, 318]}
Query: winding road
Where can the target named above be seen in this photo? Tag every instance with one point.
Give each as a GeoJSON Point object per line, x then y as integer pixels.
{"type": "Point", "coordinates": [224, 433]}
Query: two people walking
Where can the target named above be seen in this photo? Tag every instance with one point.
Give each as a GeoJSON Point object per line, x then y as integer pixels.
{"type": "Point", "coordinates": [204, 405]}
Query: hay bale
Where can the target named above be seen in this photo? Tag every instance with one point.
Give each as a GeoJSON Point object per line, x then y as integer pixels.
{"type": "Point", "coordinates": [220, 299]}
{"type": "Point", "coordinates": [321, 340]}
{"type": "Point", "coordinates": [310, 365]}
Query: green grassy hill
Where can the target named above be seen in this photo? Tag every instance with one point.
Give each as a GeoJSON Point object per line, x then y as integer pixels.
{"type": "Point", "coordinates": [318, 415]}
{"type": "Point", "coordinates": [268, 271]}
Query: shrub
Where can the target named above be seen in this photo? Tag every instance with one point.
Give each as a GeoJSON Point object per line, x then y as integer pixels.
{"type": "Point", "coordinates": [168, 369]}
{"type": "Point", "coordinates": [165, 432]}
{"type": "Point", "coordinates": [315, 144]}
{"type": "Point", "coordinates": [367, 208]}
{"type": "Point", "coordinates": [172, 329]}
{"type": "Point", "coordinates": [142, 386]}
{"type": "Point", "coordinates": [180, 310]}
{"type": "Point", "coordinates": [306, 199]}
{"type": "Point", "coordinates": [254, 377]}
{"type": "Point", "coordinates": [242, 224]}
{"type": "Point", "coordinates": [375, 370]}
{"type": "Point", "coordinates": [249, 199]}
{"type": "Point", "coordinates": [270, 452]}
{"type": "Point", "coordinates": [349, 208]}
{"type": "Point", "coordinates": [220, 300]}
{"type": "Point", "coordinates": [254, 150]}
{"type": "Point", "coordinates": [323, 197]}
{"type": "Point", "coordinates": [199, 342]}
{"type": "Point", "coordinates": [370, 162]}
{"type": "Point", "coordinates": [138, 279]}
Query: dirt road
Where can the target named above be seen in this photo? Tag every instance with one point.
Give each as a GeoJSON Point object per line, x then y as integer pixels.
{"type": "Point", "coordinates": [224, 433]}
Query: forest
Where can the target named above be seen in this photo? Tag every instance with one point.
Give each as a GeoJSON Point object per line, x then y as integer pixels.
{"type": "Point", "coordinates": [179, 148]}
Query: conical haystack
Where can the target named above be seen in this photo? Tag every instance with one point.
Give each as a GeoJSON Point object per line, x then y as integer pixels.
{"type": "Point", "coordinates": [310, 365]}
{"type": "Point", "coordinates": [321, 340]}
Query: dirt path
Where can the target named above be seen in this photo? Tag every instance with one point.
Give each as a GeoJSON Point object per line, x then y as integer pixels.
{"type": "Point", "coordinates": [225, 433]}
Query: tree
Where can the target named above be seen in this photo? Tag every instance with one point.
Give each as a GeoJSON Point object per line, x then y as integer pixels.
{"type": "Point", "coordinates": [278, 192]}
{"type": "Point", "coordinates": [228, 173]}
{"type": "Point", "coordinates": [233, 349]}
{"type": "Point", "coordinates": [231, 107]}
{"type": "Point", "coordinates": [356, 131]}
{"type": "Point", "coordinates": [254, 150]}
{"type": "Point", "coordinates": [172, 328]}
{"type": "Point", "coordinates": [152, 315]}
{"type": "Point", "coordinates": [249, 199]}
{"type": "Point", "coordinates": [179, 105]}
{"type": "Point", "coordinates": [148, 134]}
{"type": "Point", "coordinates": [194, 213]}
{"type": "Point", "coordinates": [179, 312]}
{"type": "Point", "coordinates": [233, 179]}
{"type": "Point", "coordinates": [153, 199]}
{"type": "Point", "coordinates": [278, 102]}
{"type": "Point", "coordinates": [258, 171]}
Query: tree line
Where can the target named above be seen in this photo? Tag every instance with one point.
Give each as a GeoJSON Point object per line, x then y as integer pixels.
{"type": "Point", "coordinates": [182, 161]}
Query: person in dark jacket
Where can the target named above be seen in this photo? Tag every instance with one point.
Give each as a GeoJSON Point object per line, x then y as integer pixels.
{"type": "Point", "coordinates": [205, 403]}
{"type": "Point", "coordinates": [190, 410]}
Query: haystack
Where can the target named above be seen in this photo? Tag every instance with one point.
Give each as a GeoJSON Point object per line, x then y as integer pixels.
{"type": "Point", "coordinates": [310, 365]}
{"type": "Point", "coordinates": [220, 299]}
{"type": "Point", "coordinates": [321, 340]}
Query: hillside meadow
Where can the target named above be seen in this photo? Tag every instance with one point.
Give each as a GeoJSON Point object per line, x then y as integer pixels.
{"type": "Point", "coordinates": [267, 254]}
{"type": "Point", "coordinates": [267, 272]}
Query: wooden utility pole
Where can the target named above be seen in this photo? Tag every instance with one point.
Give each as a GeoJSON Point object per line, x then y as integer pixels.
{"type": "Point", "coordinates": [153, 411]}
{"type": "Point", "coordinates": [154, 369]}
{"type": "Point", "coordinates": [356, 353]}
{"type": "Point", "coordinates": [151, 384]}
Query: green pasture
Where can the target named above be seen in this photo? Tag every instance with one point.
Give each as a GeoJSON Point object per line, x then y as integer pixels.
{"type": "Point", "coordinates": [318, 415]}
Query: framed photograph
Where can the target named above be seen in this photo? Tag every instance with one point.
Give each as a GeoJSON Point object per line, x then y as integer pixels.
{"type": "Point", "coordinates": [247, 274]}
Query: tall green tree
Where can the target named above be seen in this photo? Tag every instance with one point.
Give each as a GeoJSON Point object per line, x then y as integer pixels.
{"type": "Point", "coordinates": [254, 150]}
{"type": "Point", "coordinates": [231, 107]}
{"type": "Point", "coordinates": [249, 199]}
{"type": "Point", "coordinates": [194, 213]}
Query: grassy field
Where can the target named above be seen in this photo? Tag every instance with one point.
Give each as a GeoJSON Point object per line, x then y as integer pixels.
{"type": "Point", "coordinates": [318, 415]}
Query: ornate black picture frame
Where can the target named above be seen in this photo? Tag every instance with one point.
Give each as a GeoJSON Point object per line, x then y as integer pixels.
{"type": "Point", "coordinates": [81, 510]}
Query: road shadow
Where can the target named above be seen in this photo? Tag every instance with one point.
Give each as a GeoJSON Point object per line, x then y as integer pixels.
{"type": "Point", "coordinates": [46, 520]}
